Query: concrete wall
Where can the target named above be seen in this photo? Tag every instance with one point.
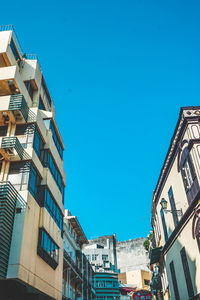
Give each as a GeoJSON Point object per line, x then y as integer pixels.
{"type": "Point", "coordinates": [131, 255]}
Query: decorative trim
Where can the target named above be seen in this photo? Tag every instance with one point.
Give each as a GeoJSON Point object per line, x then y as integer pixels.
{"type": "Point", "coordinates": [186, 114]}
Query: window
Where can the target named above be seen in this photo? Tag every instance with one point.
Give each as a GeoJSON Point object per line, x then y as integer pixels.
{"type": "Point", "coordinates": [94, 256]}
{"type": "Point", "coordinates": [38, 143]}
{"type": "Point", "coordinates": [49, 125]}
{"type": "Point", "coordinates": [115, 284]}
{"type": "Point", "coordinates": [146, 282]}
{"type": "Point", "coordinates": [18, 175]}
{"type": "Point", "coordinates": [88, 257]}
{"type": "Point", "coordinates": [187, 170]}
{"type": "Point", "coordinates": [3, 130]}
{"type": "Point", "coordinates": [56, 140]}
{"type": "Point", "coordinates": [48, 162]}
{"type": "Point", "coordinates": [174, 281]}
{"type": "Point", "coordinates": [34, 182]}
{"type": "Point", "coordinates": [186, 269]}
{"type": "Point", "coordinates": [53, 209]}
{"type": "Point", "coordinates": [104, 257]}
{"type": "Point", "coordinates": [173, 207]}
{"type": "Point", "coordinates": [46, 92]}
{"type": "Point", "coordinates": [14, 50]}
{"type": "Point", "coordinates": [41, 105]}
{"type": "Point", "coordinates": [100, 284]}
{"type": "Point", "coordinates": [25, 134]}
{"type": "Point", "coordinates": [29, 88]}
{"type": "Point", "coordinates": [164, 224]}
{"type": "Point", "coordinates": [47, 249]}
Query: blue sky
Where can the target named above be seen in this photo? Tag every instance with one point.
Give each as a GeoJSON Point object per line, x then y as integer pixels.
{"type": "Point", "coordinates": [118, 72]}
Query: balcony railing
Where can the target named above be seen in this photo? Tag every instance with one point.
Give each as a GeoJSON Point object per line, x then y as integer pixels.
{"type": "Point", "coordinates": [8, 28]}
{"type": "Point", "coordinates": [70, 261]}
{"type": "Point", "coordinates": [18, 103]}
{"type": "Point", "coordinates": [32, 57]}
{"type": "Point", "coordinates": [154, 255]}
{"type": "Point", "coordinates": [156, 283]}
{"type": "Point", "coordinates": [13, 148]}
{"type": "Point", "coordinates": [8, 199]}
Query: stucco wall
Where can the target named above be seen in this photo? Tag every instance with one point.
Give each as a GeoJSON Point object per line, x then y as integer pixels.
{"type": "Point", "coordinates": [131, 255]}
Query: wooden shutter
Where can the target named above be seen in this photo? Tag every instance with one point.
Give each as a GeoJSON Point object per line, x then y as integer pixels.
{"type": "Point", "coordinates": [187, 272]}
{"type": "Point", "coordinates": [164, 224]}
{"type": "Point", "coordinates": [174, 281]}
{"type": "Point", "coordinates": [173, 207]}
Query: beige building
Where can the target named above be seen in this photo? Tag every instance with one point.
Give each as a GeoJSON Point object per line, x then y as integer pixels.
{"type": "Point", "coordinates": [139, 279]}
{"type": "Point", "coordinates": [32, 179]}
{"type": "Point", "coordinates": [175, 250]}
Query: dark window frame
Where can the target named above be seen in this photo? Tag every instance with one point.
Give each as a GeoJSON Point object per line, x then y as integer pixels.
{"type": "Point", "coordinates": [174, 281]}
{"type": "Point", "coordinates": [189, 176]}
{"type": "Point", "coordinates": [49, 162]}
{"type": "Point", "coordinates": [164, 224]}
{"type": "Point", "coordinates": [51, 258]}
{"type": "Point", "coordinates": [187, 275]}
{"type": "Point", "coordinates": [29, 88]}
{"type": "Point", "coordinates": [56, 139]}
{"type": "Point", "coordinates": [41, 104]}
{"type": "Point", "coordinates": [14, 50]}
{"type": "Point", "coordinates": [173, 207]}
{"type": "Point", "coordinates": [35, 191]}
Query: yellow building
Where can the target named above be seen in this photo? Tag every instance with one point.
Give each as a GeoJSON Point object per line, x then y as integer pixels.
{"type": "Point", "coordinates": [139, 279]}
{"type": "Point", "coordinates": [32, 179]}
{"type": "Point", "coordinates": [175, 250]}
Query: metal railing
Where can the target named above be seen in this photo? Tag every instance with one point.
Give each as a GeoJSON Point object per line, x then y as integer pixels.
{"type": "Point", "coordinates": [12, 143]}
{"type": "Point", "coordinates": [32, 57]}
{"type": "Point", "coordinates": [8, 200]}
{"type": "Point", "coordinates": [8, 28]}
{"type": "Point", "coordinates": [18, 102]}
{"type": "Point", "coordinates": [72, 263]}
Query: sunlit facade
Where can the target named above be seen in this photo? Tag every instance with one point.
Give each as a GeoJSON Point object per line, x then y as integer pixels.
{"type": "Point", "coordinates": [175, 247]}
{"type": "Point", "coordinates": [32, 178]}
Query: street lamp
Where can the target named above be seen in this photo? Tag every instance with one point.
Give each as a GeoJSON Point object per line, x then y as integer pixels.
{"type": "Point", "coordinates": [164, 203]}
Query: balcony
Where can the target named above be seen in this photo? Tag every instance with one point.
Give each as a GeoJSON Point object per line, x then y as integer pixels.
{"type": "Point", "coordinates": [12, 150]}
{"type": "Point", "coordinates": [8, 200]}
{"type": "Point", "coordinates": [10, 49]}
{"type": "Point", "coordinates": [68, 260]}
{"type": "Point", "coordinates": [19, 107]}
{"type": "Point", "coordinates": [12, 83]}
{"type": "Point", "coordinates": [15, 107]}
{"type": "Point", "coordinates": [156, 284]}
{"type": "Point", "coordinates": [154, 255]}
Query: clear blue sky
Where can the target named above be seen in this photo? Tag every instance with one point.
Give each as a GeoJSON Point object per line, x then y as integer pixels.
{"type": "Point", "coordinates": [118, 72]}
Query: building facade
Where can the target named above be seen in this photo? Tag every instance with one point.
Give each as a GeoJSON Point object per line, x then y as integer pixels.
{"type": "Point", "coordinates": [102, 255]}
{"type": "Point", "coordinates": [131, 255]}
{"type": "Point", "coordinates": [139, 279]}
{"type": "Point", "coordinates": [78, 275]}
{"type": "Point", "coordinates": [175, 248]}
{"type": "Point", "coordinates": [107, 286]}
{"type": "Point", "coordinates": [32, 179]}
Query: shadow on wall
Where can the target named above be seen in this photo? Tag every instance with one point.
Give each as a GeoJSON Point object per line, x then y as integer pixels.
{"type": "Point", "coordinates": [181, 272]}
